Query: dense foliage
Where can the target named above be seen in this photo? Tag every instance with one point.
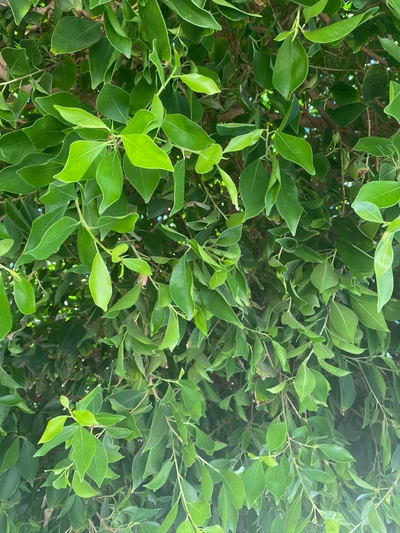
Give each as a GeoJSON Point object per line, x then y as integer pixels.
{"type": "Point", "coordinates": [199, 305]}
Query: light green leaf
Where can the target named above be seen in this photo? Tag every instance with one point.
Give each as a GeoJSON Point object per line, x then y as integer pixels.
{"type": "Point", "coordinates": [24, 295]}
{"type": "Point", "coordinates": [243, 141]}
{"type": "Point", "coordinates": [199, 512]}
{"type": "Point", "coordinates": [100, 282]}
{"type": "Point", "coordinates": [80, 117]}
{"type": "Point", "coordinates": [138, 265]}
{"type": "Point", "coordinates": [208, 157]}
{"type": "Point", "coordinates": [314, 10]}
{"type": "Point", "coordinates": [83, 449]}
{"type": "Point", "coordinates": [368, 211]}
{"type": "Point", "coordinates": [54, 426]}
{"type": "Point", "coordinates": [338, 30]}
{"type": "Point", "coordinates": [81, 155]}
{"type": "Point", "coordinates": [384, 255]}
{"type": "Point", "coordinates": [200, 83]}
{"type": "Point", "coordinates": [143, 152]}
{"type": "Point", "coordinates": [82, 487]}
{"type": "Point", "coordinates": [380, 193]}
{"type": "Point", "coordinates": [85, 417]}
{"type": "Point", "coordinates": [230, 186]}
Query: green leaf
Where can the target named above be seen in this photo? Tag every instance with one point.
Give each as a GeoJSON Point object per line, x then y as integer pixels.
{"type": "Point", "coordinates": [368, 211]}
{"type": "Point", "coordinates": [304, 382]}
{"type": "Point", "coordinates": [115, 34]}
{"type": "Point", "coordinates": [243, 141]}
{"type": "Point", "coordinates": [160, 477]}
{"type": "Point", "coordinates": [375, 521]}
{"type": "Point", "coordinates": [377, 146]}
{"type": "Point", "coordinates": [24, 295]}
{"type": "Point", "coordinates": [143, 152]}
{"type": "Point", "coordinates": [276, 436]}
{"type": "Point", "coordinates": [138, 265]}
{"type": "Point", "coordinates": [296, 150]}
{"type": "Point", "coordinates": [185, 133]}
{"type": "Point", "coordinates": [253, 187]}
{"type": "Point", "coordinates": [199, 512]}
{"type": "Point", "coordinates": [110, 179]}
{"type": "Point", "coordinates": [192, 13]}
{"type": "Point", "coordinates": [153, 27]}
{"type": "Point", "coordinates": [314, 9]}
{"type": "Point", "coordinates": [218, 306]}
{"type": "Point", "coordinates": [80, 117]}
{"type": "Point", "coordinates": [380, 193]}
{"type": "Point", "coordinates": [66, 433]}
{"type": "Point", "coordinates": [338, 30]}
{"type": "Point", "coordinates": [368, 314]}
{"type": "Point", "coordinates": [113, 103]}
{"type": "Point", "coordinates": [234, 487]}
{"type": "Point", "coordinates": [83, 449]}
{"type": "Point", "coordinates": [208, 157]}
{"type": "Point", "coordinates": [144, 180]}
{"type": "Point", "coordinates": [344, 320]}
{"type": "Point", "coordinates": [73, 34]}
{"type": "Point", "coordinates": [291, 67]}
{"type": "Point", "coordinates": [185, 527]}
{"type": "Point", "coordinates": [100, 282]}
{"type": "Point", "coordinates": [393, 108]}
{"type": "Point", "coordinates": [181, 287]}
{"type": "Point", "coordinates": [230, 186]}
{"type": "Point", "coordinates": [384, 255]}
{"type": "Point", "coordinates": [200, 83]}
{"type": "Point", "coordinates": [19, 9]}
{"type": "Point", "coordinates": [5, 313]}
{"type": "Point", "coordinates": [142, 122]}
{"type": "Point", "coordinates": [287, 203]}
{"type": "Point", "coordinates": [336, 453]}
{"type": "Point", "coordinates": [5, 246]}
{"type": "Point", "coordinates": [338, 372]}
{"type": "Point", "coordinates": [323, 277]}
{"type": "Point", "coordinates": [169, 519]}
{"type": "Point", "coordinates": [53, 428]}
{"type": "Point", "coordinates": [179, 187]}
{"type": "Point", "coordinates": [28, 464]}
{"type": "Point", "coordinates": [85, 417]}
{"type": "Point", "coordinates": [82, 487]}
{"type": "Point", "coordinates": [81, 155]}
{"type": "Point", "coordinates": [172, 336]}
{"type": "Point", "coordinates": [254, 483]}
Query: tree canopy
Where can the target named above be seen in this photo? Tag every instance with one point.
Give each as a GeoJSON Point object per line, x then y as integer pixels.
{"type": "Point", "coordinates": [199, 291]}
